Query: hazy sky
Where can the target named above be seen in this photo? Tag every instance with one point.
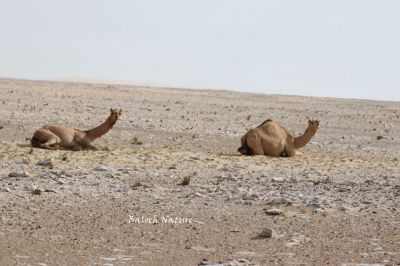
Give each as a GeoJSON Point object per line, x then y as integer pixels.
{"type": "Point", "coordinates": [341, 48]}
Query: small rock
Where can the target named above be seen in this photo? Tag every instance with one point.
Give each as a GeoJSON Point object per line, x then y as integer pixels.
{"type": "Point", "coordinates": [276, 200]}
{"type": "Point", "coordinates": [364, 255]}
{"type": "Point", "coordinates": [19, 174]}
{"type": "Point", "coordinates": [46, 162]}
{"type": "Point", "coordinates": [253, 196]}
{"type": "Point", "coordinates": [366, 201]}
{"type": "Point", "coordinates": [267, 233]}
{"type": "Point", "coordinates": [229, 262]}
{"type": "Point", "coordinates": [6, 189]}
{"type": "Point", "coordinates": [316, 202]}
{"type": "Point", "coordinates": [102, 168]}
{"type": "Point", "coordinates": [320, 211]}
{"type": "Point", "coordinates": [278, 179]}
{"type": "Point", "coordinates": [136, 185]}
{"type": "Point", "coordinates": [135, 141]}
{"type": "Point", "coordinates": [209, 263]}
{"type": "Point", "coordinates": [379, 137]}
{"type": "Point", "coordinates": [37, 191]}
{"type": "Point", "coordinates": [274, 212]}
{"type": "Point", "coordinates": [30, 187]}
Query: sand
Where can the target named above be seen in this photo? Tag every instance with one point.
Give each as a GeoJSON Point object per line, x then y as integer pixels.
{"type": "Point", "coordinates": [336, 204]}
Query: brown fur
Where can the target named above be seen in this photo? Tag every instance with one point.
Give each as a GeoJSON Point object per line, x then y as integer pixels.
{"type": "Point", "coordinates": [270, 138]}
{"type": "Point", "coordinates": [35, 142]}
{"type": "Point", "coordinates": [55, 137]}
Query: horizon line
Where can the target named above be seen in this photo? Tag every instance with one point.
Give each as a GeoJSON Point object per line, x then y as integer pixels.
{"type": "Point", "coordinates": [160, 86]}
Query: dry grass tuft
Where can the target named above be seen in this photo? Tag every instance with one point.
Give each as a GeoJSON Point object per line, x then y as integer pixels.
{"type": "Point", "coordinates": [185, 181]}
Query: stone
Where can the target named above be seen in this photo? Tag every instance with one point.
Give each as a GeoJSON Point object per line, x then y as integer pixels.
{"type": "Point", "coordinates": [274, 211]}
{"type": "Point", "coordinates": [30, 187]}
{"type": "Point", "coordinates": [276, 200]}
{"type": "Point", "coordinates": [267, 233]}
{"type": "Point", "coordinates": [253, 196]}
{"type": "Point", "coordinates": [278, 179]}
{"type": "Point", "coordinates": [229, 262]}
{"type": "Point", "coordinates": [46, 162]}
{"type": "Point", "coordinates": [37, 191]}
{"type": "Point", "coordinates": [136, 185]}
{"type": "Point", "coordinates": [102, 168]}
{"type": "Point", "coordinates": [6, 189]}
{"type": "Point", "coordinates": [19, 174]}
{"type": "Point", "coordinates": [320, 211]}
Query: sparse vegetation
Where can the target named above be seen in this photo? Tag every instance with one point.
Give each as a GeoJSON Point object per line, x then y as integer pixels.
{"type": "Point", "coordinates": [185, 181]}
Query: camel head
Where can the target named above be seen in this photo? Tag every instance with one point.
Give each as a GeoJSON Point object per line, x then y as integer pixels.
{"type": "Point", "coordinates": [313, 124]}
{"type": "Point", "coordinates": [115, 114]}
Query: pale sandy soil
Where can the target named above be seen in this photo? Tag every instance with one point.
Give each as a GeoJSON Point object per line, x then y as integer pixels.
{"type": "Point", "coordinates": [339, 201]}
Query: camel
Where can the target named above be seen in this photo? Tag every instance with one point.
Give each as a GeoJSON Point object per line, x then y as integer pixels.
{"type": "Point", "coordinates": [55, 137]}
{"type": "Point", "coordinates": [270, 138]}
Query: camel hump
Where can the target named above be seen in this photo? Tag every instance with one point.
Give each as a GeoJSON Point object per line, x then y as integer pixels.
{"type": "Point", "coordinates": [266, 121]}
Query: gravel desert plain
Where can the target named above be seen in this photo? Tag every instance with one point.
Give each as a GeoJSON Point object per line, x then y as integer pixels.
{"type": "Point", "coordinates": [169, 187]}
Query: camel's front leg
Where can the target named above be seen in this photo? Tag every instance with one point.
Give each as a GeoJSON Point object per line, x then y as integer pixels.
{"type": "Point", "coordinates": [48, 139]}
{"type": "Point", "coordinates": [47, 147]}
{"type": "Point", "coordinates": [51, 144]}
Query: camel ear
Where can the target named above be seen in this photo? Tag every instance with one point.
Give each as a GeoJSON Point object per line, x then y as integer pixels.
{"type": "Point", "coordinates": [120, 111]}
{"type": "Point", "coordinates": [111, 110]}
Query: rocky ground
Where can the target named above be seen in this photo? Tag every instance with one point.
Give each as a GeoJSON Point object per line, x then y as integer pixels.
{"type": "Point", "coordinates": [172, 189]}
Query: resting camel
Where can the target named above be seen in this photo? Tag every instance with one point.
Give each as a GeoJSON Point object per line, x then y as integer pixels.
{"type": "Point", "coordinates": [55, 137]}
{"type": "Point", "coordinates": [270, 138]}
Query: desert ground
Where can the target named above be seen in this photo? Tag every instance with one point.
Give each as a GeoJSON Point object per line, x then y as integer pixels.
{"type": "Point", "coordinates": [338, 204]}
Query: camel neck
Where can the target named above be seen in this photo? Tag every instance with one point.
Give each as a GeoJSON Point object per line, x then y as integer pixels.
{"type": "Point", "coordinates": [100, 130]}
{"type": "Point", "coordinates": [301, 141]}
